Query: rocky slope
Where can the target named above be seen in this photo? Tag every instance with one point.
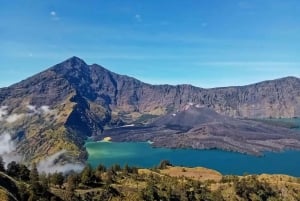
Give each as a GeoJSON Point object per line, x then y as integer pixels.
{"type": "Point", "coordinates": [63, 105]}
{"type": "Point", "coordinates": [203, 128]}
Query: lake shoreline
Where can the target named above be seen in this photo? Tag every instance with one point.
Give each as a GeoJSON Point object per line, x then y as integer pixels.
{"type": "Point", "coordinates": [142, 154]}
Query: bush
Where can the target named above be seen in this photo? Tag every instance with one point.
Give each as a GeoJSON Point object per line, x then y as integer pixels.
{"type": "Point", "coordinates": [164, 164]}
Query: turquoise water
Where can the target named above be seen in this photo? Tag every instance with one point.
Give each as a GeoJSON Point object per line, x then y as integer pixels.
{"type": "Point", "coordinates": [143, 155]}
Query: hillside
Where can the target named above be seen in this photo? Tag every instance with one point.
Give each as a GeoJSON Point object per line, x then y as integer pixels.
{"type": "Point", "coordinates": [164, 182]}
{"type": "Point", "coordinates": [8, 188]}
{"type": "Point", "coordinates": [59, 108]}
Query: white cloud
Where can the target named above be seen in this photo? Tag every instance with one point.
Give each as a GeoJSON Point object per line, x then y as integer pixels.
{"type": "Point", "coordinates": [48, 165]}
{"type": "Point", "coordinates": [3, 112]}
{"type": "Point", "coordinates": [32, 108]}
{"type": "Point", "coordinates": [8, 148]}
{"type": "Point", "coordinates": [54, 16]}
{"type": "Point", "coordinates": [45, 109]}
{"type": "Point", "coordinates": [6, 144]}
{"type": "Point", "coordinates": [14, 117]}
{"type": "Point", "coordinates": [53, 13]}
{"type": "Point", "coordinates": [138, 17]}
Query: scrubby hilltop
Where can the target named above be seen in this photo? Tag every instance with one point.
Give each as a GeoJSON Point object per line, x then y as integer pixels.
{"type": "Point", "coordinates": [59, 108]}
{"type": "Point", "coordinates": [127, 183]}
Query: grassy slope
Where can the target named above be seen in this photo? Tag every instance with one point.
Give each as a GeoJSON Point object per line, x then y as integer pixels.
{"type": "Point", "coordinates": [45, 134]}
{"type": "Point", "coordinates": [130, 186]}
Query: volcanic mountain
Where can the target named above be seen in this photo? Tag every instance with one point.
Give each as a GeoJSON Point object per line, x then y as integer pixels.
{"type": "Point", "coordinates": [203, 128]}
{"type": "Point", "coordinates": [59, 108]}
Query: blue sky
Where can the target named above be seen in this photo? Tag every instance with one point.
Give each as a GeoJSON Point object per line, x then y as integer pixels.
{"type": "Point", "coordinates": [207, 43]}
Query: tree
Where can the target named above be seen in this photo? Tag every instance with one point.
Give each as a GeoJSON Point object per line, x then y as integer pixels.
{"type": "Point", "coordinates": [36, 188]}
{"type": "Point", "coordinates": [87, 175]}
{"type": "Point", "coordinates": [150, 192]}
{"type": "Point", "coordinates": [2, 165]}
{"type": "Point", "coordinates": [72, 182]}
{"type": "Point", "coordinates": [34, 174]}
{"type": "Point", "coordinates": [164, 164]}
{"type": "Point", "coordinates": [24, 173]}
{"type": "Point", "coordinates": [13, 169]}
{"type": "Point", "coordinates": [126, 169]}
{"type": "Point", "coordinates": [57, 179]}
{"type": "Point", "coordinates": [109, 177]}
{"type": "Point", "coordinates": [251, 187]}
{"type": "Point", "coordinates": [98, 173]}
{"type": "Point", "coordinates": [116, 168]}
{"type": "Point", "coordinates": [23, 191]}
{"type": "Point", "coordinates": [44, 182]}
{"type": "Point", "coordinates": [101, 168]}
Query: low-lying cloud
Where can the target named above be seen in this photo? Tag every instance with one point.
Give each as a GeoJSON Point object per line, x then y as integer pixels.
{"type": "Point", "coordinates": [6, 144]}
{"type": "Point", "coordinates": [44, 109]}
{"type": "Point", "coordinates": [13, 118]}
{"type": "Point", "coordinates": [50, 165]}
{"type": "Point", "coordinates": [8, 149]}
{"type": "Point", "coordinates": [32, 110]}
{"type": "Point", "coordinates": [3, 112]}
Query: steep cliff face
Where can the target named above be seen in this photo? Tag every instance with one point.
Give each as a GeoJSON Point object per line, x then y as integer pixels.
{"type": "Point", "coordinates": [123, 94]}
{"type": "Point", "coordinates": [276, 98]}
{"type": "Point", "coordinates": [72, 101]}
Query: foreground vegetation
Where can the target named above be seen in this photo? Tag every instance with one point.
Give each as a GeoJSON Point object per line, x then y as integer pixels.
{"type": "Point", "coordinates": [164, 183]}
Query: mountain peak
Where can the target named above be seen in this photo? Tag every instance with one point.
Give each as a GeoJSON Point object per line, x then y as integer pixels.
{"type": "Point", "coordinates": [72, 64]}
{"type": "Point", "coordinates": [75, 61]}
{"type": "Point", "coordinates": [75, 58]}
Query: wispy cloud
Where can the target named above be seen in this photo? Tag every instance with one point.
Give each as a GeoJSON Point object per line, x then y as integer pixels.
{"type": "Point", "coordinates": [3, 112]}
{"type": "Point", "coordinates": [138, 17]}
{"type": "Point", "coordinates": [8, 148]}
{"type": "Point", "coordinates": [204, 24]}
{"type": "Point", "coordinates": [44, 109]}
{"type": "Point", "coordinates": [7, 145]}
{"type": "Point", "coordinates": [32, 110]}
{"type": "Point", "coordinates": [245, 4]}
{"type": "Point", "coordinates": [49, 165]}
{"type": "Point", "coordinates": [273, 67]}
{"type": "Point", "coordinates": [54, 15]}
{"type": "Point", "coordinates": [14, 117]}
{"type": "Point", "coordinates": [250, 63]}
